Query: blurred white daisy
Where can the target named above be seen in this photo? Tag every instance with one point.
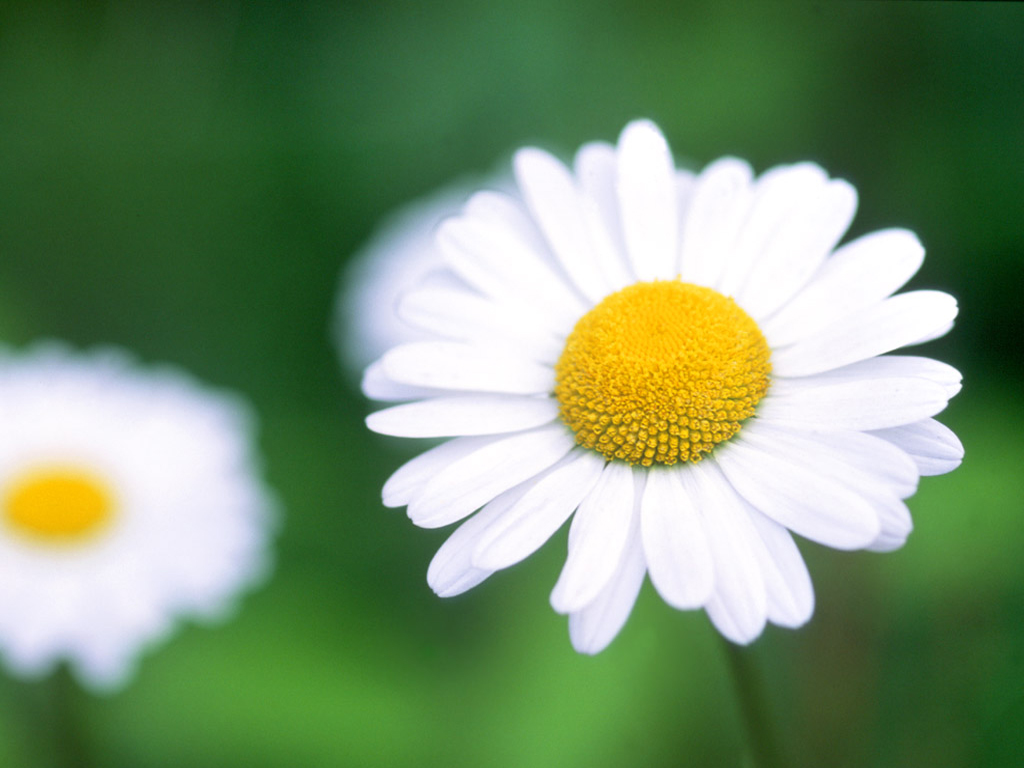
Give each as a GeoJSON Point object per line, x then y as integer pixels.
{"type": "Point", "coordinates": [687, 363]}
{"type": "Point", "coordinates": [129, 498]}
{"type": "Point", "coordinates": [399, 255]}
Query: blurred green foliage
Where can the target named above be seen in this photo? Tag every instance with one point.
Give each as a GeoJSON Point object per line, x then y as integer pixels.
{"type": "Point", "coordinates": [187, 179]}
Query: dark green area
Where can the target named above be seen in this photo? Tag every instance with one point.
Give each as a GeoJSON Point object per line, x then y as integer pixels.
{"type": "Point", "coordinates": [187, 179]}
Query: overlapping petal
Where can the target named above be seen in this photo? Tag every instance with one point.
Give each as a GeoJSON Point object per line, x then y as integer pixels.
{"type": "Point", "coordinates": [466, 415]}
{"type": "Point", "coordinates": [597, 539]}
{"type": "Point", "coordinates": [468, 483]}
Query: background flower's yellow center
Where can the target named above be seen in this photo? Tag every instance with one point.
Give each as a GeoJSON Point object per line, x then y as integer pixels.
{"type": "Point", "coordinates": [58, 504]}
{"type": "Point", "coordinates": [661, 372]}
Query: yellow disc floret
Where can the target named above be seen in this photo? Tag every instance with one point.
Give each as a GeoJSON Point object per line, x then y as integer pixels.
{"type": "Point", "coordinates": [57, 504]}
{"type": "Point", "coordinates": [661, 372]}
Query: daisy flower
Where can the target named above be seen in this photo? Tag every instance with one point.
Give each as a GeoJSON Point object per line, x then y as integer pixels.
{"type": "Point", "coordinates": [684, 364]}
{"type": "Point", "coordinates": [128, 499]}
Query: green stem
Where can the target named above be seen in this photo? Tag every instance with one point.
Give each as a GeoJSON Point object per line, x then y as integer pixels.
{"type": "Point", "coordinates": [761, 740]}
{"type": "Point", "coordinates": [49, 713]}
{"type": "Point", "coordinates": [69, 735]}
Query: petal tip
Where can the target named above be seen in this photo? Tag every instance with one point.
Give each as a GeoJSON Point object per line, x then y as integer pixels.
{"type": "Point", "coordinates": [639, 127]}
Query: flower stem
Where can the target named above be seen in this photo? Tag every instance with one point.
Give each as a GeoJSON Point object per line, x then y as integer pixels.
{"type": "Point", "coordinates": [68, 729]}
{"type": "Point", "coordinates": [49, 713]}
{"type": "Point", "coordinates": [761, 741]}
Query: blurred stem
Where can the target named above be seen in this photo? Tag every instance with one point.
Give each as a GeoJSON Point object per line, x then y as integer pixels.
{"type": "Point", "coordinates": [52, 719]}
{"type": "Point", "coordinates": [70, 743]}
{"type": "Point", "coordinates": [761, 740]}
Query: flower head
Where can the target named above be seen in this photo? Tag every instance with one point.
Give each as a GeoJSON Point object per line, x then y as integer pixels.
{"type": "Point", "coordinates": [686, 365]}
{"type": "Point", "coordinates": [127, 499]}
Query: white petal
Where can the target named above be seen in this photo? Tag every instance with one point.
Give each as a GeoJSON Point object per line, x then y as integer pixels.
{"type": "Point", "coordinates": [893, 516]}
{"type": "Point", "coordinates": [798, 496]}
{"type": "Point", "coordinates": [594, 627]}
{"type": "Point", "coordinates": [451, 571]}
{"type": "Point", "coordinates": [686, 183]}
{"type": "Point", "coordinates": [607, 254]}
{"type": "Point", "coordinates": [855, 459]}
{"type": "Point", "coordinates": [541, 511]}
{"type": "Point", "coordinates": [462, 367]}
{"type": "Point", "coordinates": [900, 320]}
{"type": "Point", "coordinates": [377, 386]}
{"type": "Point", "coordinates": [412, 476]}
{"type": "Point", "coordinates": [773, 198]}
{"type": "Point", "coordinates": [398, 255]}
{"type": "Point", "coordinates": [787, 582]}
{"type": "Point", "coordinates": [595, 168]}
{"type": "Point", "coordinates": [106, 666]}
{"type": "Point", "coordinates": [452, 579]}
{"type": "Point", "coordinates": [932, 446]}
{"type": "Point", "coordinates": [463, 316]}
{"type": "Point", "coordinates": [738, 606]}
{"type": "Point", "coordinates": [508, 218]}
{"type": "Point", "coordinates": [494, 258]}
{"type": "Point", "coordinates": [857, 405]}
{"type": "Point", "coordinates": [936, 333]}
{"type": "Point", "coordinates": [468, 415]}
{"type": "Point", "coordinates": [721, 199]}
{"type": "Point", "coordinates": [596, 539]}
{"type": "Point", "coordinates": [647, 198]}
{"type": "Point", "coordinates": [886, 367]}
{"type": "Point", "coordinates": [896, 526]}
{"type": "Point", "coordinates": [550, 192]}
{"type": "Point", "coordinates": [798, 248]}
{"type": "Point", "coordinates": [506, 211]}
{"type": "Point", "coordinates": [675, 544]}
{"type": "Point", "coordinates": [470, 482]}
{"type": "Point", "coordinates": [858, 275]}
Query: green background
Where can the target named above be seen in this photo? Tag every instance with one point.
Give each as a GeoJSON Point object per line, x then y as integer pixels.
{"type": "Point", "coordinates": [186, 180]}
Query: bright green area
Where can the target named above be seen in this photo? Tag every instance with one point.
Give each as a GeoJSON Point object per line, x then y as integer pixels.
{"type": "Point", "coordinates": [186, 180]}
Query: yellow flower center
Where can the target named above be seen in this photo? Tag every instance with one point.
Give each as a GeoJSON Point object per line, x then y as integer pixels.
{"type": "Point", "coordinates": [661, 372]}
{"type": "Point", "coordinates": [58, 504]}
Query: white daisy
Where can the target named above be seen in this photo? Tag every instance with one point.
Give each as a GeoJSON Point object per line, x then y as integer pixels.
{"type": "Point", "coordinates": [687, 363]}
{"type": "Point", "coordinates": [129, 499]}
